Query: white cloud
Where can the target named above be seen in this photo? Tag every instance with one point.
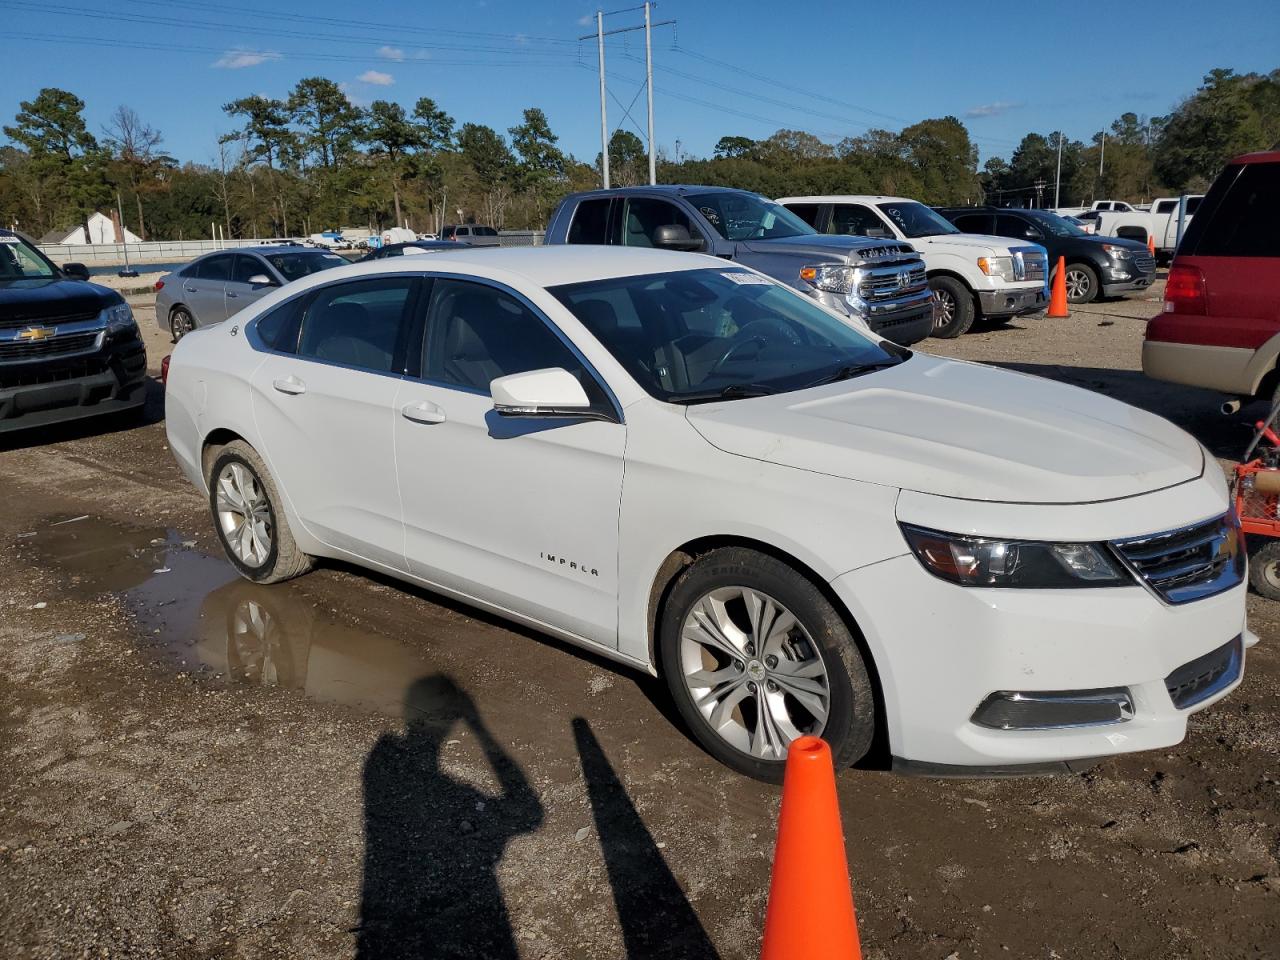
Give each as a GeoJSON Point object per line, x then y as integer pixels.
{"type": "Point", "coordinates": [377, 78]}
{"type": "Point", "coordinates": [586, 20]}
{"type": "Point", "coordinates": [992, 109]}
{"type": "Point", "coordinates": [239, 59]}
{"type": "Point", "coordinates": [391, 53]}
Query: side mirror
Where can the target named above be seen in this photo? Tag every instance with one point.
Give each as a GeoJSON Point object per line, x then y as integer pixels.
{"type": "Point", "coordinates": [1031, 233]}
{"type": "Point", "coordinates": [261, 280]}
{"type": "Point", "coordinates": [76, 271]}
{"type": "Point", "coordinates": [551, 392]}
{"type": "Point", "coordinates": [879, 233]}
{"type": "Point", "coordinates": [675, 236]}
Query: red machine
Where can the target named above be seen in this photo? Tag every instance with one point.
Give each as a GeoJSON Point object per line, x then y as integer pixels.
{"type": "Point", "coordinates": [1257, 495]}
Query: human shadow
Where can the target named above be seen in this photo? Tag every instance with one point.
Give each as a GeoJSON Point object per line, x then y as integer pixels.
{"type": "Point", "coordinates": [433, 843]}
{"type": "Point", "coordinates": [656, 917]}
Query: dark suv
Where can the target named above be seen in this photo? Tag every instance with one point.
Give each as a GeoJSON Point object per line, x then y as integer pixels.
{"type": "Point", "coordinates": [1096, 266]}
{"type": "Point", "coordinates": [68, 348]}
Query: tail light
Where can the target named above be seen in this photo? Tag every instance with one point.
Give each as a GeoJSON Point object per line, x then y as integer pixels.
{"type": "Point", "coordinates": [1184, 291]}
{"type": "Point", "coordinates": [159, 285]}
{"type": "Point", "coordinates": [164, 369]}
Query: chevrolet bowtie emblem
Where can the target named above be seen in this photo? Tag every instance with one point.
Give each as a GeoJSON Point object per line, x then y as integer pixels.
{"type": "Point", "coordinates": [36, 333]}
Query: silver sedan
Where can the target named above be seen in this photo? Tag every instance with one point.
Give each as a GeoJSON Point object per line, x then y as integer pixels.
{"type": "Point", "coordinates": [213, 287]}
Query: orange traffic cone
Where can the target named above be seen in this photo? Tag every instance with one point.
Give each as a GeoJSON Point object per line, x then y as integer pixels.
{"type": "Point", "coordinates": [810, 913]}
{"type": "Point", "coordinates": [1058, 297]}
{"type": "Point", "coordinates": [1151, 243]}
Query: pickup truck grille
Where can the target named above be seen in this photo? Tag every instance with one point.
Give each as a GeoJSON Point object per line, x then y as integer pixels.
{"type": "Point", "coordinates": [66, 345]}
{"type": "Point", "coordinates": [1034, 263]}
{"type": "Point", "coordinates": [1189, 563]}
{"type": "Point", "coordinates": [884, 282]}
{"type": "Point", "coordinates": [10, 321]}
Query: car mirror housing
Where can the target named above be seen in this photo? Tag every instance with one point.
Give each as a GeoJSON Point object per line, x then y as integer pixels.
{"type": "Point", "coordinates": [76, 271]}
{"type": "Point", "coordinates": [675, 236]}
{"type": "Point", "coordinates": [261, 280]}
{"type": "Point", "coordinates": [551, 392]}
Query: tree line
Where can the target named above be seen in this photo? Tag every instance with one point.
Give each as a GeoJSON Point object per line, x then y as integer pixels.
{"type": "Point", "coordinates": [315, 160]}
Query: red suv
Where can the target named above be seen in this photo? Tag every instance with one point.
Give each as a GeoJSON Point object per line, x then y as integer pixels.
{"type": "Point", "coordinates": [1220, 328]}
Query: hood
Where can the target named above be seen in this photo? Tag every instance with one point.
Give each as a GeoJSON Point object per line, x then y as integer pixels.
{"type": "Point", "coordinates": [975, 242]}
{"type": "Point", "coordinates": [1135, 245]}
{"type": "Point", "coordinates": [830, 246]}
{"type": "Point", "coordinates": [962, 430]}
{"type": "Point", "coordinates": [52, 299]}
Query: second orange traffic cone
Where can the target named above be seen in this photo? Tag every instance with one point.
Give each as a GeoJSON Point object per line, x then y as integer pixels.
{"type": "Point", "coordinates": [1058, 296]}
{"type": "Point", "coordinates": [810, 914]}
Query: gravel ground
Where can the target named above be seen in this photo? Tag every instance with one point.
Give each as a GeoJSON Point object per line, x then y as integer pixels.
{"type": "Point", "coordinates": [389, 774]}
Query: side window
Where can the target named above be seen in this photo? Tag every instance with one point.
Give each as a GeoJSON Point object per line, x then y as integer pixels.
{"type": "Point", "coordinates": [1008, 225]}
{"type": "Point", "coordinates": [590, 222]}
{"type": "Point", "coordinates": [215, 268]}
{"type": "Point", "coordinates": [1167, 206]}
{"type": "Point", "coordinates": [644, 215]}
{"type": "Point", "coordinates": [246, 266]}
{"type": "Point", "coordinates": [855, 220]}
{"type": "Point", "coordinates": [1244, 225]}
{"type": "Point", "coordinates": [357, 323]}
{"type": "Point", "coordinates": [973, 223]}
{"type": "Point", "coordinates": [808, 212]}
{"type": "Point", "coordinates": [464, 231]}
{"type": "Point", "coordinates": [278, 328]}
{"type": "Point", "coordinates": [477, 333]}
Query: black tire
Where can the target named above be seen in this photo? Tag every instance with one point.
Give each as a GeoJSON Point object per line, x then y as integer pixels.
{"type": "Point", "coordinates": [850, 718]}
{"type": "Point", "coordinates": [1084, 280]}
{"type": "Point", "coordinates": [181, 322]}
{"type": "Point", "coordinates": [283, 560]}
{"type": "Point", "coordinates": [1264, 570]}
{"type": "Point", "coordinates": [956, 307]}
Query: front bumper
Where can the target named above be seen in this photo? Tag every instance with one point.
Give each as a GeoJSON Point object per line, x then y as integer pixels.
{"type": "Point", "coordinates": [51, 391]}
{"type": "Point", "coordinates": [904, 320]}
{"type": "Point", "coordinates": [945, 650]}
{"type": "Point", "coordinates": [1118, 280]}
{"type": "Point", "coordinates": [1010, 303]}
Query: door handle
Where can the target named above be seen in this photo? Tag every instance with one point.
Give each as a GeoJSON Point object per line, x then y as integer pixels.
{"type": "Point", "coordinates": [230, 294]}
{"type": "Point", "coordinates": [290, 385]}
{"type": "Point", "coordinates": [191, 289]}
{"type": "Point", "coordinates": [424, 412]}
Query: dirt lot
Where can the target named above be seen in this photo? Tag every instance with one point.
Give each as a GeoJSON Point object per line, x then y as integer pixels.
{"type": "Point", "coordinates": [197, 767]}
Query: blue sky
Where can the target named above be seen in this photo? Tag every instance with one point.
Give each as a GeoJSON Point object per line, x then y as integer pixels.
{"type": "Point", "coordinates": [831, 68]}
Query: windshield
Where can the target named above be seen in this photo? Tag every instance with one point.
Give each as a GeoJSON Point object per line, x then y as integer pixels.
{"type": "Point", "coordinates": [916, 220]}
{"type": "Point", "coordinates": [291, 266]}
{"type": "Point", "coordinates": [20, 261]}
{"type": "Point", "coordinates": [698, 335]}
{"type": "Point", "coordinates": [1056, 225]}
{"type": "Point", "coordinates": [745, 216]}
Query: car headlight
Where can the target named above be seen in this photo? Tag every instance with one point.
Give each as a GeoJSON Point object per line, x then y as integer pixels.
{"type": "Point", "coordinates": [119, 318]}
{"type": "Point", "coordinates": [980, 562]}
{"type": "Point", "coordinates": [1117, 253]}
{"type": "Point", "coordinates": [831, 277]}
{"type": "Point", "coordinates": [1001, 267]}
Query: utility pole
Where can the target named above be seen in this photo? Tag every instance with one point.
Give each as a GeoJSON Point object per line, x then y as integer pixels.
{"type": "Point", "coordinates": [604, 123]}
{"type": "Point", "coordinates": [1102, 154]}
{"type": "Point", "coordinates": [600, 34]}
{"type": "Point", "coordinates": [1057, 183]}
{"type": "Point", "coordinates": [648, 70]}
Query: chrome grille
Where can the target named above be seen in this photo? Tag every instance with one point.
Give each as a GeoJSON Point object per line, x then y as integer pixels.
{"type": "Point", "coordinates": [1035, 265]}
{"type": "Point", "coordinates": [66, 345]}
{"type": "Point", "coordinates": [1189, 563]}
{"type": "Point", "coordinates": [883, 282]}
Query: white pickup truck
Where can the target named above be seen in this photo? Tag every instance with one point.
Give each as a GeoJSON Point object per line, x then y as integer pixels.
{"type": "Point", "coordinates": [1097, 205]}
{"type": "Point", "coordinates": [1161, 222]}
{"type": "Point", "coordinates": [970, 275]}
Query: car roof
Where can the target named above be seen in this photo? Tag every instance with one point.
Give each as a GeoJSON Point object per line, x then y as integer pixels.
{"type": "Point", "coordinates": [1262, 156]}
{"type": "Point", "coordinates": [674, 189]}
{"type": "Point", "coordinates": [550, 266]}
{"type": "Point", "coordinates": [847, 198]}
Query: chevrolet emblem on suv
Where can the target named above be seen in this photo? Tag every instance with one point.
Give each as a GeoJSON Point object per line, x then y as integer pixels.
{"type": "Point", "coordinates": [36, 333]}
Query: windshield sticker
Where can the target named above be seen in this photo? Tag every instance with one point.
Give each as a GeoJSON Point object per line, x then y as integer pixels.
{"type": "Point", "coordinates": [6, 238]}
{"type": "Point", "coordinates": [330, 256]}
{"type": "Point", "coordinates": [712, 215]}
{"type": "Point", "coordinates": [748, 279]}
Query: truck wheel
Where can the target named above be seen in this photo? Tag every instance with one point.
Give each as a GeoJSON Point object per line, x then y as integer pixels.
{"type": "Point", "coordinates": [1082, 283]}
{"type": "Point", "coordinates": [181, 322]}
{"type": "Point", "coordinates": [955, 307]}
{"type": "Point", "coordinates": [755, 656]}
{"type": "Point", "coordinates": [248, 514]}
{"type": "Point", "coordinates": [1264, 570]}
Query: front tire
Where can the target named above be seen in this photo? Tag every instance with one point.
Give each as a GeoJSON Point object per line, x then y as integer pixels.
{"type": "Point", "coordinates": [248, 514]}
{"type": "Point", "coordinates": [755, 656]}
{"type": "Point", "coordinates": [955, 307]}
{"type": "Point", "coordinates": [1082, 283]}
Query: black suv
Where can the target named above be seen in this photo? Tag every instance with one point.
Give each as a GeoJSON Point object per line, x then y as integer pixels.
{"type": "Point", "coordinates": [68, 348]}
{"type": "Point", "coordinates": [1096, 266]}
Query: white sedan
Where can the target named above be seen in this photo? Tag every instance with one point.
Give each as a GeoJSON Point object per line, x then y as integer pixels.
{"type": "Point", "coordinates": [680, 464]}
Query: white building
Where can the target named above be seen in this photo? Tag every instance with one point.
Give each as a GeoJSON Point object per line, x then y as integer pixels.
{"type": "Point", "coordinates": [101, 230]}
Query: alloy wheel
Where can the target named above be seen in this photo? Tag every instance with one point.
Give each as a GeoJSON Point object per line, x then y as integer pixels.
{"type": "Point", "coordinates": [1079, 285]}
{"type": "Point", "coordinates": [181, 324]}
{"type": "Point", "coordinates": [244, 514]}
{"type": "Point", "coordinates": [946, 311]}
{"type": "Point", "coordinates": [753, 671]}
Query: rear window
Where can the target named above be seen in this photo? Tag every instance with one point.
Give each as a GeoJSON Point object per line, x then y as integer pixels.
{"type": "Point", "coordinates": [590, 222]}
{"type": "Point", "coordinates": [1240, 216]}
{"type": "Point", "coordinates": [485, 232]}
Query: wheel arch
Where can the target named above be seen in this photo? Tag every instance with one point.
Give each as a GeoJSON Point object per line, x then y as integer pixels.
{"type": "Point", "coordinates": [953, 275]}
{"type": "Point", "coordinates": [878, 756]}
{"type": "Point", "coordinates": [214, 441]}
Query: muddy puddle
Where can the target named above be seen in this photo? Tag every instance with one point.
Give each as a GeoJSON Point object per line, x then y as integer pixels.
{"type": "Point", "coordinates": [207, 620]}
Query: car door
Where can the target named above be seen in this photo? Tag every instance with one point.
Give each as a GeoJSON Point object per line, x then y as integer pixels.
{"type": "Point", "coordinates": [238, 292]}
{"type": "Point", "coordinates": [323, 401]}
{"type": "Point", "coordinates": [203, 292]}
{"type": "Point", "coordinates": [979, 223]}
{"type": "Point", "coordinates": [857, 220]}
{"type": "Point", "coordinates": [519, 513]}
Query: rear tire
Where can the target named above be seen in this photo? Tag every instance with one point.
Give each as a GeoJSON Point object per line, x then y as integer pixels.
{"type": "Point", "coordinates": [755, 655]}
{"type": "Point", "coordinates": [248, 514]}
{"type": "Point", "coordinates": [1264, 570]}
{"type": "Point", "coordinates": [181, 322]}
{"type": "Point", "coordinates": [955, 308]}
